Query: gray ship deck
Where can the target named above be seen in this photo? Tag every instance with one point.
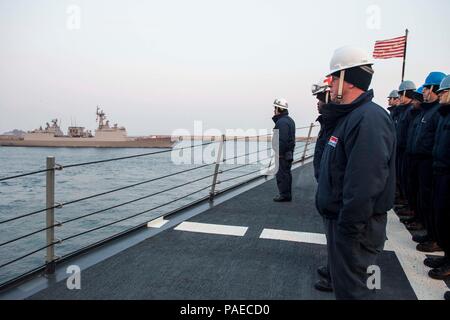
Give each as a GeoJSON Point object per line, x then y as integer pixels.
{"type": "Point", "coordinates": [271, 252]}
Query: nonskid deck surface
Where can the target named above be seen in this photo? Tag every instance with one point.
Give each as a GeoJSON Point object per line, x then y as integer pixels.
{"type": "Point", "coordinates": [245, 248]}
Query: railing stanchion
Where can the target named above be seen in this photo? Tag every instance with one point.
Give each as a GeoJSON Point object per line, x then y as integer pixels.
{"type": "Point", "coordinates": [247, 149]}
{"type": "Point", "coordinates": [50, 216]}
{"type": "Point", "coordinates": [257, 147]}
{"type": "Point", "coordinates": [224, 150]}
{"type": "Point", "coordinates": [216, 169]}
{"type": "Point", "coordinates": [307, 142]}
{"type": "Point", "coordinates": [235, 149]}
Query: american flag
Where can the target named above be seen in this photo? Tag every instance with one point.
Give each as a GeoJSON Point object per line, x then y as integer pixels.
{"type": "Point", "coordinates": [391, 48]}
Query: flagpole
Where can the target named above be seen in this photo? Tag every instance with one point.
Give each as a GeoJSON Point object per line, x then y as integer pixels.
{"type": "Point", "coordinates": [404, 56]}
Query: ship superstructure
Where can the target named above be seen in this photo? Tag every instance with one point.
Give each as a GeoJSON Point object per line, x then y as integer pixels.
{"type": "Point", "coordinates": [105, 136]}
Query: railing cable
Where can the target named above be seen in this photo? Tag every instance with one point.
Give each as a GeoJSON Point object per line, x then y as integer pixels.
{"type": "Point", "coordinates": [133, 216]}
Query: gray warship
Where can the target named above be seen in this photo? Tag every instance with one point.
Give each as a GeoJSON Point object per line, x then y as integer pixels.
{"type": "Point", "coordinates": [105, 136]}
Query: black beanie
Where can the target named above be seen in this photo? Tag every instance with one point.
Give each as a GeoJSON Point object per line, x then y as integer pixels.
{"type": "Point", "coordinates": [408, 93]}
{"type": "Point", "coordinates": [417, 96]}
{"type": "Point", "coordinates": [436, 88]}
{"type": "Point", "coordinates": [357, 76]}
{"type": "Point", "coordinates": [322, 96]}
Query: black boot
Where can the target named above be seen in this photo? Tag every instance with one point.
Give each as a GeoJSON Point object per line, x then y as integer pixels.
{"type": "Point", "coordinates": [407, 220]}
{"type": "Point", "coordinates": [400, 201]}
{"type": "Point", "coordinates": [435, 262]}
{"type": "Point", "coordinates": [405, 213]}
{"type": "Point", "coordinates": [324, 272]}
{"type": "Point", "coordinates": [323, 285]}
{"type": "Point", "coordinates": [414, 226]}
{"type": "Point", "coordinates": [429, 246]}
{"type": "Point", "coordinates": [447, 295]}
{"type": "Point", "coordinates": [421, 239]}
{"type": "Point", "coordinates": [282, 199]}
{"type": "Point", "coordinates": [399, 207]}
{"type": "Point", "coordinates": [441, 273]}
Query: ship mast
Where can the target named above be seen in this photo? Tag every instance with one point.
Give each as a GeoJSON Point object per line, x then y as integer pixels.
{"type": "Point", "coordinates": [100, 117]}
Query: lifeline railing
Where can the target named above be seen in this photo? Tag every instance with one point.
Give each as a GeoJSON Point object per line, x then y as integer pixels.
{"type": "Point", "coordinates": [51, 223]}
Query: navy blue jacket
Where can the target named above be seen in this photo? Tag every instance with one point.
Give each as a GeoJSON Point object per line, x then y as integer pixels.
{"type": "Point", "coordinates": [321, 141]}
{"type": "Point", "coordinates": [318, 149]}
{"type": "Point", "coordinates": [327, 125]}
{"type": "Point", "coordinates": [357, 169]}
{"type": "Point", "coordinates": [286, 132]}
{"type": "Point", "coordinates": [441, 150]}
{"type": "Point", "coordinates": [391, 110]}
{"type": "Point", "coordinates": [415, 113]}
{"type": "Point", "coordinates": [394, 113]}
{"type": "Point", "coordinates": [403, 123]}
{"type": "Point", "coordinates": [424, 131]}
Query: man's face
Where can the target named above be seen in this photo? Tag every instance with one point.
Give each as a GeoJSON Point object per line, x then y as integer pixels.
{"type": "Point", "coordinates": [404, 99]}
{"type": "Point", "coordinates": [393, 102]}
{"type": "Point", "coordinates": [416, 103]}
{"type": "Point", "coordinates": [443, 97]}
{"type": "Point", "coordinates": [428, 94]}
{"type": "Point", "coordinates": [334, 88]}
{"type": "Point", "coordinates": [320, 104]}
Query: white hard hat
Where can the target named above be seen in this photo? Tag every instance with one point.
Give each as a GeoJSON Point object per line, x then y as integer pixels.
{"type": "Point", "coordinates": [321, 86]}
{"type": "Point", "coordinates": [281, 103]}
{"type": "Point", "coordinates": [394, 94]}
{"type": "Point", "coordinates": [407, 85]}
{"type": "Point", "coordinates": [349, 57]}
{"type": "Point", "coordinates": [445, 84]}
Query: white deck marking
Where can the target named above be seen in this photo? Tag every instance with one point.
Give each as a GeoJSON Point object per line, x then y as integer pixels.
{"type": "Point", "coordinates": [212, 228]}
{"type": "Point", "coordinates": [388, 246]}
{"type": "Point", "coordinates": [411, 261]}
{"type": "Point", "coordinates": [399, 242]}
{"type": "Point", "coordinates": [305, 237]}
{"type": "Point", "coordinates": [157, 223]}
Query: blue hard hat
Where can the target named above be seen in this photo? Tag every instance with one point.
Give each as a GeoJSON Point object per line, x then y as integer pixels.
{"type": "Point", "coordinates": [418, 94]}
{"type": "Point", "coordinates": [434, 78]}
{"type": "Point", "coordinates": [420, 90]}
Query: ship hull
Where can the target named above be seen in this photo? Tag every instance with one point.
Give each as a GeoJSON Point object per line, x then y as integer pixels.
{"type": "Point", "coordinates": [90, 143]}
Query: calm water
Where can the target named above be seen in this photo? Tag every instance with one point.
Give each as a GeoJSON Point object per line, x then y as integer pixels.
{"type": "Point", "coordinates": [23, 195]}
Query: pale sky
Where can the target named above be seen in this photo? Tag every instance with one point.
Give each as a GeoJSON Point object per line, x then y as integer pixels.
{"type": "Point", "coordinates": [157, 66]}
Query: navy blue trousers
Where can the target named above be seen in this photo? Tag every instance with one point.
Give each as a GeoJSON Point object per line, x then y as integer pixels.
{"type": "Point", "coordinates": [425, 199]}
{"type": "Point", "coordinates": [284, 178]}
{"type": "Point", "coordinates": [441, 209]}
{"type": "Point", "coordinates": [350, 256]}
